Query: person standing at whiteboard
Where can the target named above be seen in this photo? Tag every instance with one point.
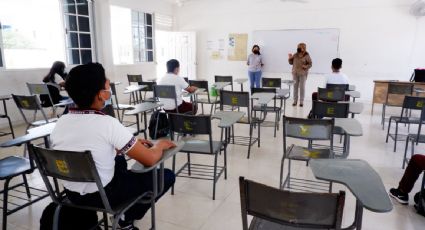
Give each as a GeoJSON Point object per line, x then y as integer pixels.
{"type": "Point", "coordinates": [255, 64]}
{"type": "Point", "coordinates": [301, 63]}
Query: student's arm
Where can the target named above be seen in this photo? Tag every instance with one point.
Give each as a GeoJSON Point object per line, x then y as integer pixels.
{"type": "Point", "coordinates": [146, 155]}
{"type": "Point", "coordinates": [191, 89]}
{"type": "Point", "coordinates": [261, 60]}
{"type": "Point", "coordinates": [291, 59]}
{"type": "Point", "coordinates": [308, 63]}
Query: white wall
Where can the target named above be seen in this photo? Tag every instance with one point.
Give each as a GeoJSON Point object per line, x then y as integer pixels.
{"type": "Point", "coordinates": [13, 81]}
{"type": "Point", "coordinates": [378, 40]}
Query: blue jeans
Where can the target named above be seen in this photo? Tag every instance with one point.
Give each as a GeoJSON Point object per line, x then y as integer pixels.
{"type": "Point", "coordinates": [255, 79]}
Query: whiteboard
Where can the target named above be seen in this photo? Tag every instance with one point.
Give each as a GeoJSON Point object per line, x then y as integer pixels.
{"type": "Point", "coordinates": [275, 45]}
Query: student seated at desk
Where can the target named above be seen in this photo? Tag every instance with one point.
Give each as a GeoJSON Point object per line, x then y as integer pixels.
{"type": "Point", "coordinates": [415, 167]}
{"type": "Point", "coordinates": [336, 77]}
{"type": "Point", "coordinates": [57, 71]}
{"type": "Point", "coordinates": [86, 128]}
{"type": "Point", "coordinates": [172, 78]}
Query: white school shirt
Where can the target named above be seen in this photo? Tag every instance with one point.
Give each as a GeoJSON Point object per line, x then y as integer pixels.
{"type": "Point", "coordinates": [337, 78]}
{"type": "Point", "coordinates": [179, 83]}
{"type": "Point", "coordinates": [101, 134]}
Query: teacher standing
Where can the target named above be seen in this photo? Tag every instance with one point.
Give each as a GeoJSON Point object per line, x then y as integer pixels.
{"type": "Point", "coordinates": [301, 63]}
{"type": "Point", "coordinates": [255, 64]}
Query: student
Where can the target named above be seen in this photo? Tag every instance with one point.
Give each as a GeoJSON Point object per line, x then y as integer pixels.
{"type": "Point", "coordinates": [336, 77]}
{"type": "Point", "coordinates": [86, 128]}
{"type": "Point", "coordinates": [172, 78]}
{"type": "Point", "coordinates": [301, 63]}
{"type": "Point", "coordinates": [56, 71]}
{"type": "Point", "coordinates": [255, 64]}
{"type": "Point", "coordinates": [415, 167]}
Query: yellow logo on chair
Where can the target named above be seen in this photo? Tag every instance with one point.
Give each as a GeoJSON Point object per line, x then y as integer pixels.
{"type": "Point", "coordinates": [271, 84]}
{"type": "Point", "coordinates": [187, 126]}
{"type": "Point", "coordinates": [330, 95]}
{"type": "Point", "coordinates": [235, 100]}
{"type": "Point", "coordinates": [420, 104]}
{"type": "Point", "coordinates": [304, 130]}
{"type": "Point", "coordinates": [62, 166]}
{"type": "Point", "coordinates": [38, 90]}
{"type": "Point", "coordinates": [330, 111]}
{"type": "Point", "coordinates": [311, 154]}
{"type": "Point", "coordinates": [25, 103]}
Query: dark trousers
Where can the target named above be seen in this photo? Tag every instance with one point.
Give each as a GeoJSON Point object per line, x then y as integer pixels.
{"type": "Point", "coordinates": [413, 170]}
{"type": "Point", "coordinates": [125, 185]}
{"type": "Point", "coordinates": [185, 107]}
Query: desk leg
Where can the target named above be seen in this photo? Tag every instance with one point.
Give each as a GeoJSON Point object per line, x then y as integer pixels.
{"type": "Point", "coordinates": [145, 117]}
{"type": "Point", "coordinates": [358, 218]}
{"type": "Point", "coordinates": [155, 194]}
{"type": "Point", "coordinates": [137, 124]}
{"type": "Point", "coordinates": [241, 87]}
{"type": "Point", "coordinates": [46, 142]}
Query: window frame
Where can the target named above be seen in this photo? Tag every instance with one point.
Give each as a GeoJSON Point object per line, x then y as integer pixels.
{"type": "Point", "coordinates": [2, 62]}
{"type": "Point", "coordinates": [145, 38]}
{"type": "Point", "coordinates": [67, 31]}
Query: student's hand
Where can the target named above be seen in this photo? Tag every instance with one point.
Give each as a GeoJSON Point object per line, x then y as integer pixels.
{"type": "Point", "coordinates": [146, 143]}
{"type": "Point", "coordinates": [165, 144]}
{"type": "Point", "coordinates": [290, 56]}
{"type": "Point", "coordinates": [62, 84]}
{"type": "Point", "coordinates": [191, 89]}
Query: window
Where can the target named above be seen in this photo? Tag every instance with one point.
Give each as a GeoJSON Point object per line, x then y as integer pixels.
{"type": "Point", "coordinates": [142, 28]}
{"type": "Point", "coordinates": [132, 36]}
{"type": "Point", "coordinates": [78, 31]}
{"type": "Point", "coordinates": [31, 34]}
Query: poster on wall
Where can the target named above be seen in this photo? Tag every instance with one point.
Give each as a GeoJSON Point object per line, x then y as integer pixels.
{"type": "Point", "coordinates": [216, 49]}
{"type": "Point", "coordinates": [237, 47]}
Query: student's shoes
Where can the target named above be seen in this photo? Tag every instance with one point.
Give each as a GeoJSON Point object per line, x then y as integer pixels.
{"type": "Point", "coordinates": [301, 105]}
{"type": "Point", "coordinates": [294, 104]}
{"type": "Point", "coordinates": [399, 196]}
{"type": "Point", "coordinates": [124, 225]}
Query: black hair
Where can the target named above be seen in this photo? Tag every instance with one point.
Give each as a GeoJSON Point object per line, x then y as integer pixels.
{"type": "Point", "coordinates": [84, 82]}
{"type": "Point", "coordinates": [256, 46]}
{"type": "Point", "coordinates": [172, 65]}
{"type": "Point", "coordinates": [58, 67]}
{"type": "Point", "coordinates": [337, 63]}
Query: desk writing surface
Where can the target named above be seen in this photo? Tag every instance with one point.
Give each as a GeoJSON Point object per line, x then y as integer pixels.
{"type": "Point", "coordinates": [227, 118]}
{"type": "Point", "coordinates": [263, 98]}
{"type": "Point", "coordinates": [143, 107]}
{"type": "Point", "coordinates": [139, 168]}
{"type": "Point", "coordinates": [34, 133]}
{"type": "Point", "coordinates": [241, 80]}
{"type": "Point", "coordinates": [134, 88]}
{"type": "Point", "coordinates": [354, 94]}
{"type": "Point", "coordinates": [355, 107]}
{"type": "Point", "coordinates": [362, 180]}
{"type": "Point", "coordinates": [350, 125]}
{"type": "Point", "coordinates": [221, 85]}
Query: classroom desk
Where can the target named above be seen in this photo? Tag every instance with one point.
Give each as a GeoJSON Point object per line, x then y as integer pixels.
{"type": "Point", "coordinates": [353, 94]}
{"type": "Point", "coordinates": [3, 99]}
{"type": "Point", "coordinates": [135, 92]}
{"type": "Point", "coordinates": [221, 85]}
{"type": "Point", "coordinates": [227, 120]}
{"type": "Point", "coordinates": [263, 98]}
{"type": "Point", "coordinates": [143, 107]}
{"type": "Point", "coordinates": [351, 87]}
{"type": "Point", "coordinates": [361, 179]}
{"type": "Point", "coordinates": [351, 127]}
{"type": "Point", "coordinates": [139, 168]}
{"type": "Point", "coordinates": [355, 108]}
{"type": "Point", "coordinates": [241, 81]}
{"type": "Point", "coordinates": [42, 131]}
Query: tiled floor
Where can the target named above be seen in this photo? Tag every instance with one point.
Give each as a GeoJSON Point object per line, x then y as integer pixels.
{"type": "Point", "coordinates": [192, 206]}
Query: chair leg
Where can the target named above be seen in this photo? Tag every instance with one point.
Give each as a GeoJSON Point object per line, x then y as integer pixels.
{"type": "Point", "coordinates": [27, 189]}
{"type": "Point", "coordinates": [250, 140]}
{"type": "Point", "coordinates": [5, 195]}
{"type": "Point", "coordinates": [288, 177]}
{"type": "Point", "coordinates": [225, 163]}
{"type": "Point", "coordinates": [215, 175]}
{"type": "Point", "coordinates": [275, 124]}
{"type": "Point", "coordinates": [405, 153]}
{"type": "Point", "coordinates": [259, 135]}
{"type": "Point", "coordinates": [174, 171]}
{"type": "Point", "coordinates": [188, 164]}
{"type": "Point", "coordinates": [202, 107]}
{"type": "Point", "coordinates": [105, 220]}
{"type": "Point", "coordinates": [56, 217]}
{"type": "Point", "coordinates": [395, 136]}
{"type": "Point", "coordinates": [11, 127]}
{"type": "Point", "coordinates": [115, 223]}
{"type": "Point", "coordinates": [383, 115]}
{"type": "Point", "coordinates": [282, 165]}
{"type": "Point", "coordinates": [388, 131]}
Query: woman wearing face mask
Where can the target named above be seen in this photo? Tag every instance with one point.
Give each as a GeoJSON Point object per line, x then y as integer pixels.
{"type": "Point", "coordinates": [255, 64]}
{"type": "Point", "coordinates": [301, 63]}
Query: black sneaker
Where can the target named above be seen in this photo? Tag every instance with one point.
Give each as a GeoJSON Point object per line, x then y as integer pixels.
{"type": "Point", "coordinates": [124, 225]}
{"type": "Point", "coordinates": [402, 198]}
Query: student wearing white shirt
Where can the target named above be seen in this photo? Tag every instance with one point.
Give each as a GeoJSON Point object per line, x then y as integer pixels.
{"type": "Point", "coordinates": [172, 78]}
{"type": "Point", "coordinates": [336, 77]}
{"type": "Point", "coordinates": [86, 128]}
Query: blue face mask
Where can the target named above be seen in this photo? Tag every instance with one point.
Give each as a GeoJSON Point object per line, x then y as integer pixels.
{"type": "Point", "coordinates": [108, 101]}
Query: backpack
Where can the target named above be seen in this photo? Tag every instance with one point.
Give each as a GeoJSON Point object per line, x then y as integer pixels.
{"type": "Point", "coordinates": [163, 129]}
{"type": "Point", "coordinates": [87, 219]}
{"type": "Point", "coordinates": [419, 199]}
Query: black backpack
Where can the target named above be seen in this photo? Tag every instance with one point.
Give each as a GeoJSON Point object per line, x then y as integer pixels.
{"type": "Point", "coordinates": [87, 219]}
{"type": "Point", "coordinates": [419, 199]}
{"type": "Point", "coordinates": [163, 129]}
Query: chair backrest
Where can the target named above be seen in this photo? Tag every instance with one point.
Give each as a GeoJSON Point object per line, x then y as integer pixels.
{"type": "Point", "coordinates": [134, 78]}
{"type": "Point", "coordinates": [38, 89]}
{"type": "Point", "coordinates": [330, 109]}
{"type": "Point", "coordinates": [186, 79]}
{"type": "Point", "coordinates": [114, 93]}
{"type": "Point", "coordinates": [190, 124]}
{"type": "Point", "coordinates": [263, 90]}
{"type": "Point", "coordinates": [68, 166]}
{"type": "Point", "coordinates": [229, 79]}
{"type": "Point", "coordinates": [308, 129]}
{"type": "Point", "coordinates": [413, 103]}
{"type": "Point", "coordinates": [149, 85]}
{"type": "Point", "coordinates": [109, 110]}
{"type": "Point", "coordinates": [334, 94]}
{"type": "Point", "coordinates": [236, 99]}
{"type": "Point", "coordinates": [271, 82]}
{"type": "Point", "coordinates": [295, 209]}
{"type": "Point", "coordinates": [31, 103]}
{"type": "Point", "coordinates": [165, 92]}
{"type": "Point", "coordinates": [344, 87]}
{"type": "Point", "coordinates": [202, 84]}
